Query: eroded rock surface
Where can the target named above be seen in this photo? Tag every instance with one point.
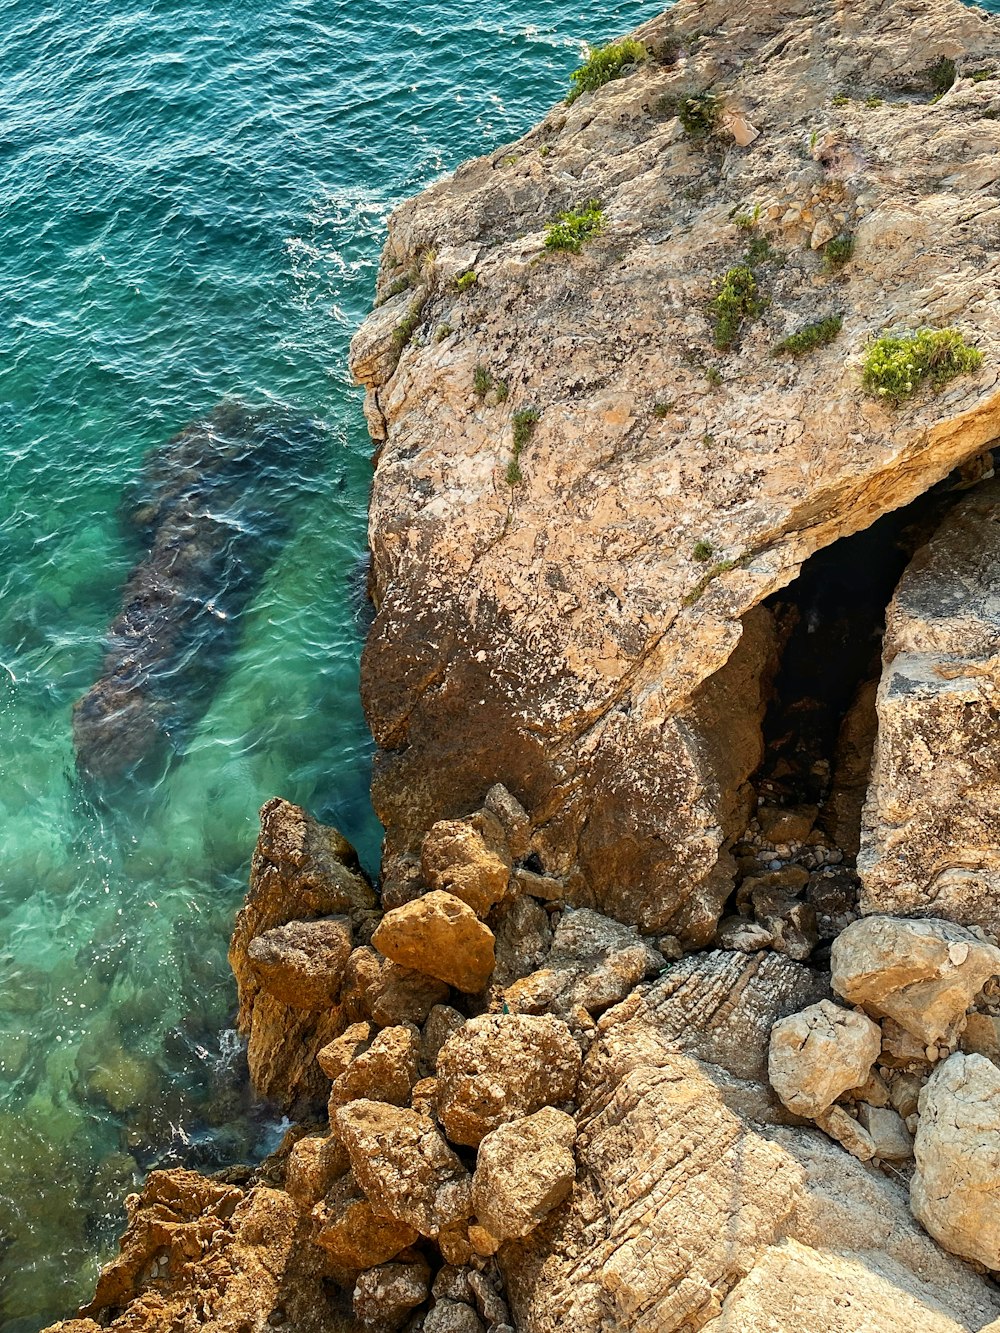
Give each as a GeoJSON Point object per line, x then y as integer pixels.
{"type": "Point", "coordinates": [562, 634]}
{"type": "Point", "coordinates": [817, 1054]}
{"type": "Point", "coordinates": [931, 842]}
{"type": "Point", "coordinates": [440, 936]}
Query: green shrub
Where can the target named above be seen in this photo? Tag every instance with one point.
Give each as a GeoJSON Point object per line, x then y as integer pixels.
{"type": "Point", "coordinates": [759, 252]}
{"type": "Point", "coordinates": [573, 227]}
{"type": "Point", "coordinates": [662, 410]}
{"type": "Point", "coordinates": [443, 331]}
{"type": "Point", "coordinates": [713, 376]}
{"type": "Point", "coordinates": [720, 567]}
{"type": "Point", "coordinates": [873, 102]}
{"type": "Point", "coordinates": [812, 336]}
{"type": "Point", "coordinates": [603, 64]}
{"type": "Point", "coordinates": [482, 381]}
{"type": "Point", "coordinates": [697, 113]}
{"type": "Point", "coordinates": [895, 367]}
{"type": "Point", "coordinates": [502, 390]}
{"type": "Point", "coordinates": [941, 75]}
{"type": "Point", "coordinates": [736, 301]}
{"type": "Point", "coordinates": [524, 422]}
{"type": "Point", "coordinates": [466, 280]}
{"type": "Point", "coordinates": [838, 251]}
{"type": "Point", "coordinates": [980, 75]}
{"type": "Point", "coordinates": [747, 221]}
{"type": "Point", "coordinates": [514, 474]}
{"type": "Point", "coordinates": [702, 551]}
{"type": "Point", "coordinates": [840, 99]}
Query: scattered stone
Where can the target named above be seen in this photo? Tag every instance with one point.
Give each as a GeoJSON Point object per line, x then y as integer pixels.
{"type": "Point", "coordinates": [874, 1091]}
{"type": "Point", "coordinates": [671, 948]}
{"type": "Point", "coordinates": [786, 824]}
{"type": "Point", "coordinates": [791, 923]}
{"type": "Point", "coordinates": [402, 1162]}
{"type": "Point", "coordinates": [440, 936]}
{"type": "Point", "coordinates": [402, 881]}
{"type": "Point", "coordinates": [500, 1067]}
{"type": "Point", "coordinates": [384, 1072]}
{"type": "Point", "coordinates": [353, 1235]}
{"type": "Point", "coordinates": [546, 888]}
{"type": "Point", "coordinates": [736, 932]}
{"type": "Point", "coordinates": [923, 974]}
{"type": "Point", "coordinates": [887, 1131]}
{"type": "Point", "coordinates": [489, 1302]}
{"type": "Point", "coordinates": [904, 1094]}
{"type": "Point", "coordinates": [384, 1296]}
{"type": "Point", "coordinates": [302, 963]}
{"type": "Point", "coordinates": [467, 858]}
{"type": "Point", "coordinates": [792, 878]}
{"type": "Point", "coordinates": [816, 1055]}
{"type": "Point", "coordinates": [451, 1282]}
{"type": "Point", "coordinates": [455, 1244]}
{"type": "Point", "coordinates": [524, 1169]}
{"type": "Point", "coordinates": [848, 1133]}
{"type": "Point", "coordinates": [955, 1190]}
{"type": "Point", "coordinates": [900, 1049]}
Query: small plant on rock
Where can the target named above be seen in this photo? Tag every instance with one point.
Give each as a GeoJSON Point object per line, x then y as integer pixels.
{"type": "Point", "coordinates": [737, 301]}
{"type": "Point", "coordinates": [697, 113]}
{"type": "Point", "coordinates": [896, 366]}
{"type": "Point", "coordinates": [662, 410]}
{"type": "Point", "coordinates": [840, 99]}
{"type": "Point", "coordinates": [837, 252]}
{"type": "Point", "coordinates": [941, 75]}
{"type": "Point", "coordinates": [603, 64]}
{"type": "Point", "coordinates": [812, 336]}
{"type": "Point", "coordinates": [466, 280]}
{"type": "Point", "coordinates": [524, 423]}
{"type": "Point", "coordinates": [714, 377]}
{"type": "Point", "coordinates": [702, 551]}
{"type": "Point", "coordinates": [574, 226]}
{"type": "Point", "coordinates": [482, 381]}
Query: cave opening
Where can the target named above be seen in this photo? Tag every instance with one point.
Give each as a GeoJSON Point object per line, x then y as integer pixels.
{"type": "Point", "coordinates": [796, 881]}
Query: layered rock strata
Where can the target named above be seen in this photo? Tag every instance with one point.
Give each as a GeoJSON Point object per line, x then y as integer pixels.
{"type": "Point", "coordinates": [580, 633]}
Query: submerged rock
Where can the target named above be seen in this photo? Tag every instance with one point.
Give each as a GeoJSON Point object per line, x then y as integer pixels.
{"type": "Point", "coordinates": [213, 508]}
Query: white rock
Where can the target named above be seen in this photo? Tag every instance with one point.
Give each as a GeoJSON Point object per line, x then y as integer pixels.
{"type": "Point", "coordinates": [819, 1053]}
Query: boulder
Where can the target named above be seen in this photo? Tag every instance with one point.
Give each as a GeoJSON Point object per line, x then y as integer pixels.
{"type": "Point", "coordinates": [931, 833]}
{"type": "Point", "coordinates": [353, 1235]}
{"type": "Point", "coordinates": [385, 1071]}
{"type": "Point", "coordinates": [513, 817]}
{"type": "Point", "coordinates": [313, 1166]}
{"type": "Point", "coordinates": [468, 858]}
{"type": "Point", "coordinates": [384, 1296]}
{"type": "Point", "coordinates": [955, 1190]}
{"type": "Point", "coordinates": [452, 1317]}
{"type": "Point", "coordinates": [816, 1055]}
{"type": "Point", "coordinates": [499, 1067]}
{"type": "Point", "coordinates": [302, 963]}
{"type": "Point", "coordinates": [524, 1169]}
{"type": "Point", "coordinates": [442, 1022]}
{"type": "Point", "coordinates": [923, 974]}
{"type": "Point", "coordinates": [380, 990]}
{"type": "Point", "coordinates": [523, 939]}
{"type": "Point", "coordinates": [336, 1056]}
{"type": "Point", "coordinates": [402, 1162]}
{"type": "Point", "coordinates": [441, 937]}
{"type": "Point", "coordinates": [301, 870]}
{"type": "Point", "coordinates": [594, 963]}
{"type": "Point", "coordinates": [891, 1139]}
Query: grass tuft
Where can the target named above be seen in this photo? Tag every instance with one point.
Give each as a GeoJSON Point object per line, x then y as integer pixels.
{"type": "Point", "coordinates": [603, 64]}
{"type": "Point", "coordinates": [812, 336]}
{"type": "Point", "coordinates": [896, 366]}
{"type": "Point", "coordinates": [737, 301]}
{"type": "Point", "coordinates": [573, 227]}
{"type": "Point", "coordinates": [837, 252]}
{"type": "Point", "coordinates": [466, 280]}
{"type": "Point", "coordinates": [702, 551]}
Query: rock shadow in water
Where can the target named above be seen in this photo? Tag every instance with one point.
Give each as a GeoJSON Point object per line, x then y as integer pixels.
{"type": "Point", "coordinates": [213, 508]}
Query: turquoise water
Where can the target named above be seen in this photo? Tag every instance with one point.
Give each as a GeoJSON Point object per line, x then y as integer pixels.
{"type": "Point", "coordinates": [192, 201]}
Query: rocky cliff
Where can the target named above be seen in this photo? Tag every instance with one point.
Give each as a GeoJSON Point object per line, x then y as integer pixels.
{"type": "Point", "coordinates": [679, 1005]}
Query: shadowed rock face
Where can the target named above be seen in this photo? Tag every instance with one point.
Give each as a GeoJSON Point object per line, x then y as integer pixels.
{"type": "Point", "coordinates": [213, 508]}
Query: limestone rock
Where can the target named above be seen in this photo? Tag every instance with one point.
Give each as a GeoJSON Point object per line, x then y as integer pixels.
{"type": "Point", "coordinates": [301, 870]}
{"type": "Point", "coordinates": [923, 974]}
{"type": "Point", "coordinates": [931, 839]}
{"type": "Point", "coordinates": [384, 1296]}
{"type": "Point", "coordinates": [524, 1169]}
{"type": "Point", "coordinates": [469, 858]}
{"type": "Point", "coordinates": [440, 936]}
{"type": "Point", "coordinates": [302, 963]}
{"type": "Point", "coordinates": [847, 1131]}
{"type": "Point", "coordinates": [353, 1235]}
{"type": "Point", "coordinates": [402, 1162]}
{"type": "Point", "coordinates": [786, 824]}
{"type": "Point", "coordinates": [791, 923]}
{"type": "Point", "coordinates": [499, 1067]}
{"type": "Point", "coordinates": [313, 1166]}
{"type": "Point", "coordinates": [337, 1055]}
{"type": "Point", "coordinates": [736, 932]}
{"type": "Point", "coordinates": [380, 990]}
{"type": "Point", "coordinates": [523, 939]}
{"type": "Point", "coordinates": [889, 1135]}
{"type": "Point", "coordinates": [594, 963]}
{"type": "Point", "coordinates": [816, 1055]}
{"type": "Point", "coordinates": [574, 653]}
{"type": "Point", "coordinates": [955, 1190]}
{"type": "Point", "coordinates": [513, 817]}
{"type": "Point", "coordinates": [384, 1072]}
{"type": "Point", "coordinates": [982, 1036]}
{"type": "Point", "coordinates": [241, 1259]}
{"type": "Point", "coordinates": [452, 1317]}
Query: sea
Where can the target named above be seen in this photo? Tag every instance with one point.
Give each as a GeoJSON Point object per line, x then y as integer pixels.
{"type": "Point", "coordinates": [193, 198]}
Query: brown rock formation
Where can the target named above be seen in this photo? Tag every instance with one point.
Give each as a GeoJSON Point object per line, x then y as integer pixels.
{"type": "Point", "coordinates": [301, 871]}
{"type": "Point", "coordinates": [439, 936]}
{"type": "Point", "coordinates": [559, 633]}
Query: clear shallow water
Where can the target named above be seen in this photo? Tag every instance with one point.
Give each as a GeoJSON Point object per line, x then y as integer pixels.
{"type": "Point", "coordinates": [192, 201]}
